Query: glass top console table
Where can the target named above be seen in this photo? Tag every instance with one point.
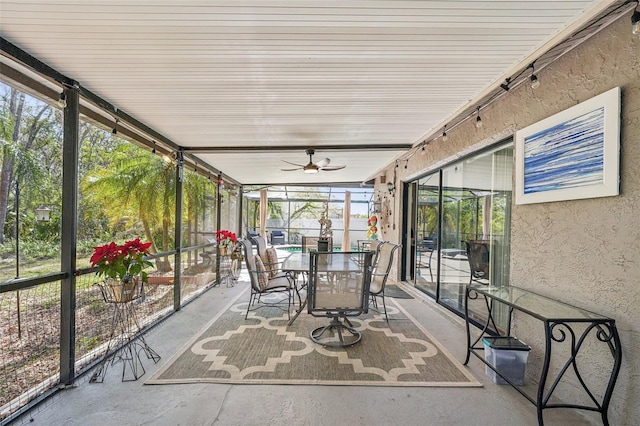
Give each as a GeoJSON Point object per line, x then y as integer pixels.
{"type": "Point", "coordinates": [563, 324]}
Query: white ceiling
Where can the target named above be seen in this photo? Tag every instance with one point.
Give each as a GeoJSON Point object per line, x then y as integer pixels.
{"type": "Point", "coordinates": [291, 73]}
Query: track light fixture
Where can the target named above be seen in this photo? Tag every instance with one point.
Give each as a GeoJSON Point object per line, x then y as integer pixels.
{"type": "Point", "coordinates": [535, 83]}
{"type": "Point", "coordinates": [423, 148]}
{"type": "Point", "coordinates": [391, 187]}
{"type": "Point", "coordinates": [62, 100]}
{"type": "Point", "coordinates": [478, 120]}
{"type": "Point", "coordinates": [115, 128]}
{"type": "Point", "coordinates": [635, 21]}
{"type": "Point", "coordinates": [445, 137]}
{"type": "Point", "coordinates": [505, 85]}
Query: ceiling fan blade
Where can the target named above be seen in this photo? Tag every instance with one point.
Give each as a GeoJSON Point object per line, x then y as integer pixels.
{"type": "Point", "coordinates": [311, 167]}
{"type": "Point", "coordinates": [293, 164]}
{"type": "Point", "coordinates": [323, 163]}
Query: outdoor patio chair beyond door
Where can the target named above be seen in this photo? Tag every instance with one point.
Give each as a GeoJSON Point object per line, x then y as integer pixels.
{"type": "Point", "coordinates": [277, 237]}
{"type": "Point", "coordinates": [478, 255]}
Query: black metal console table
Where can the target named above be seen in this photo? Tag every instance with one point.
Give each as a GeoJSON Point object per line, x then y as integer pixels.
{"type": "Point", "coordinates": [560, 321]}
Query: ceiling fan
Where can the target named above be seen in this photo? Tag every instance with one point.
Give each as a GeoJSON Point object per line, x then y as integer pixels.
{"type": "Point", "coordinates": [312, 167]}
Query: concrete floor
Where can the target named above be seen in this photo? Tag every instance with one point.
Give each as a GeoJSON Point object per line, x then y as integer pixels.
{"type": "Point", "coordinates": [132, 403]}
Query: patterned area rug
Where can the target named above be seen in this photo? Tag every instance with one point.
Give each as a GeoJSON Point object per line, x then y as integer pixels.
{"type": "Point", "coordinates": [264, 350]}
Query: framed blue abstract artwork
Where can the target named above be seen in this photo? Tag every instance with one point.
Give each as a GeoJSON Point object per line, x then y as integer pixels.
{"type": "Point", "coordinates": [571, 155]}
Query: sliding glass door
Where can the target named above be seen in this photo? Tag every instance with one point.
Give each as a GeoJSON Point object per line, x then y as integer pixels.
{"type": "Point", "coordinates": [464, 205]}
{"type": "Point", "coordinates": [427, 232]}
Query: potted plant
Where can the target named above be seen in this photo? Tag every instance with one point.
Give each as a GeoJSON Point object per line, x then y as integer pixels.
{"type": "Point", "coordinates": [123, 267]}
{"type": "Point", "coordinates": [227, 241]}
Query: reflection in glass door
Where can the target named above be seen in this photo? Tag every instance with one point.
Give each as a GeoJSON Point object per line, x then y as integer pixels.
{"type": "Point", "coordinates": [466, 204]}
{"type": "Point", "coordinates": [427, 232]}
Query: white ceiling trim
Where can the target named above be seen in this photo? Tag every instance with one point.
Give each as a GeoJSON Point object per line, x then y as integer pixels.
{"type": "Point", "coordinates": [209, 73]}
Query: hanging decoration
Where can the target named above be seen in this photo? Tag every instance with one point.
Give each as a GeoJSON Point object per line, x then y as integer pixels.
{"type": "Point", "coordinates": [372, 232]}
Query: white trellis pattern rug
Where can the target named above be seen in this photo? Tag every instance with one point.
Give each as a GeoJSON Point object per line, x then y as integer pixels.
{"type": "Point", "coordinates": [264, 350]}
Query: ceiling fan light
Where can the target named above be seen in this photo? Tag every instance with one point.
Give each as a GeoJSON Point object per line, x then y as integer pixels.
{"type": "Point", "coordinates": [311, 167]}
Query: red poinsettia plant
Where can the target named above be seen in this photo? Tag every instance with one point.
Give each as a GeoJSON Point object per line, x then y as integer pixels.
{"type": "Point", "coordinates": [226, 238]}
{"type": "Point", "coordinates": [122, 262]}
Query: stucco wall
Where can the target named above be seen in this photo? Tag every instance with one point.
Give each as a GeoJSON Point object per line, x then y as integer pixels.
{"type": "Point", "coordinates": [583, 252]}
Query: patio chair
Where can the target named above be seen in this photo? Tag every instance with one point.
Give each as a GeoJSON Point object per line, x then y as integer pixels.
{"type": "Point", "coordinates": [369, 245]}
{"type": "Point", "coordinates": [264, 286]}
{"type": "Point", "coordinates": [364, 245]}
{"type": "Point", "coordinates": [311, 244]}
{"type": "Point", "coordinates": [277, 237]}
{"type": "Point", "coordinates": [267, 254]}
{"type": "Point", "coordinates": [380, 274]}
{"type": "Point", "coordinates": [338, 288]}
{"type": "Point", "coordinates": [261, 245]}
{"type": "Point", "coordinates": [478, 255]}
{"type": "Point", "coordinates": [251, 235]}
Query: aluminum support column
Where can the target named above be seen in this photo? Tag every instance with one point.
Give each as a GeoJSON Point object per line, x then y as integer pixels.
{"type": "Point", "coordinates": [70, 155]}
{"type": "Point", "coordinates": [177, 268]}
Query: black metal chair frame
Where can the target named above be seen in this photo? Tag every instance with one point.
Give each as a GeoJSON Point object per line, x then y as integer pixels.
{"type": "Point", "coordinates": [427, 245]}
{"type": "Point", "coordinates": [382, 269]}
{"type": "Point", "coordinates": [279, 284]}
{"type": "Point", "coordinates": [340, 324]}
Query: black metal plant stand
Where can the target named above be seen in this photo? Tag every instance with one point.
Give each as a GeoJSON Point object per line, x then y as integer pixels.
{"type": "Point", "coordinates": [228, 270]}
{"type": "Point", "coordinates": [126, 342]}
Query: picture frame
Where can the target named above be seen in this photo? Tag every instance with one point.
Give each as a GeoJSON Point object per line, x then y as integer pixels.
{"type": "Point", "coordinates": [574, 154]}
